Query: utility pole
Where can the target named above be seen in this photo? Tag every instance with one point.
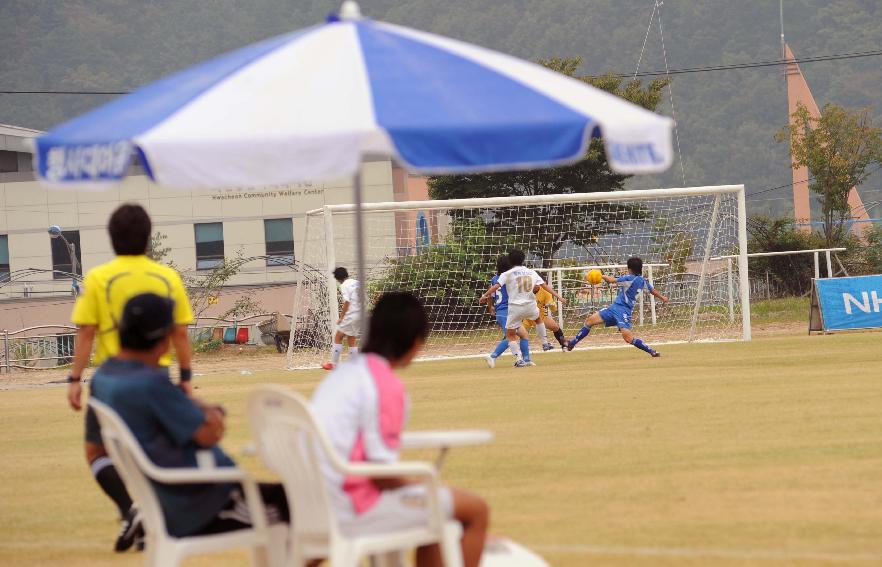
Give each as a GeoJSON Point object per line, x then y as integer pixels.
{"type": "Point", "coordinates": [781, 17]}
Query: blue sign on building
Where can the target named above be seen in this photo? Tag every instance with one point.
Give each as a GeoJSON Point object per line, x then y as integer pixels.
{"type": "Point", "coordinates": [847, 303]}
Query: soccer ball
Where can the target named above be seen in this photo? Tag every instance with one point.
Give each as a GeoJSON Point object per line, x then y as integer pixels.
{"type": "Point", "coordinates": [595, 277]}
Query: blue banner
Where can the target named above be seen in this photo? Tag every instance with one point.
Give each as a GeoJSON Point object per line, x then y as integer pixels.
{"type": "Point", "coordinates": [850, 303]}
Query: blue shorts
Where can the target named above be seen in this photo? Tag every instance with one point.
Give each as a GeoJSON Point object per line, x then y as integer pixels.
{"type": "Point", "coordinates": [616, 317]}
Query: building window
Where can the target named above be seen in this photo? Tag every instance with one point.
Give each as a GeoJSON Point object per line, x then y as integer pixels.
{"type": "Point", "coordinates": [279, 241]}
{"type": "Point", "coordinates": [209, 245]}
{"type": "Point", "coordinates": [61, 254]}
{"type": "Point", "coordinates": [4, 258]}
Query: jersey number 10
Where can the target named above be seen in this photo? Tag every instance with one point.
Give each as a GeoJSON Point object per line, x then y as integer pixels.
{"type": "Point", "coordinates": [525, 284]}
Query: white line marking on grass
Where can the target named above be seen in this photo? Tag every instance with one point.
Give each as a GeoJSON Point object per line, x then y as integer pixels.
{"type": "Point", "coordinates": [719, 553]}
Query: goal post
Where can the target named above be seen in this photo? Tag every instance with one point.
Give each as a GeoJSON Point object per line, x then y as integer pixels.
{"type": "Point", "coordinates": [445, 253]}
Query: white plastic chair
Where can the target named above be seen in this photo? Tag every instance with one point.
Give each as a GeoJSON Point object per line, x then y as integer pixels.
{"type": "Point", "coordinates": [136, 470]}
{"type": "Point", "coordinates": [288, 439]}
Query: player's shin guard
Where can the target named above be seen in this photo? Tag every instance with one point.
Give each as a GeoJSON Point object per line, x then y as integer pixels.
{"type": "Point", "coordinates": [583, 332]}
{"type": "Point", "coordinates": [108, 479]}
{"type": "Point", "coordinates": [335, 353]}
{"type": "Point", "coordinates": [542, 332]}
{"type": "Point", "coordinates": [515, 348]}
{"type": "Point", "coordinates": [642, 346]}
{"type": "Point", "coordinates": [500, 348]}
{"type": "Point", "coordinates": [559, 335]}
{"type": "Point", "coordinates": [525, 349]}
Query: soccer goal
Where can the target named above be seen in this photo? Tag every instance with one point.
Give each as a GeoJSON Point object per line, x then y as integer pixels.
{"type": "Point", "coordinates": [445, 253]}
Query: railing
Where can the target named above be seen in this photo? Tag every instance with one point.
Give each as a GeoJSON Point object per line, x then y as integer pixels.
{"type": "Point", "coordinates": [33, 347]}
{"type": "Point", "coordinates": [815, 251]}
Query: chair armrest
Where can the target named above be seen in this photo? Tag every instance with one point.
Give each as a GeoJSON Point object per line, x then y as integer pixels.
{"type": "Point", "coordinates": [197, 475]}
{"type": "Point", "coordinates": [381, 470]}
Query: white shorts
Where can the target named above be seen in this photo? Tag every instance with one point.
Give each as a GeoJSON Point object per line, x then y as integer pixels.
{"type": "Point", "coordinates": [350, 325]}
{"type": "Point", "coordinates": [518, 313]}
{"type": "Point", "coordinates": [398, 509]}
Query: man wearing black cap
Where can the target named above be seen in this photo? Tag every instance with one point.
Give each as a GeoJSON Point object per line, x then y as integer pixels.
{"type": "Point", "coordinates": [170, 426]}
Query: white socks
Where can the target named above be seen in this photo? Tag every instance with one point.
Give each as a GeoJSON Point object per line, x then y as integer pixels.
{"type": "Point", "coordinates": [337, 350]}
{"type": "Point", "coordinates": [543, 333]}
{"type": "Point", "coordinates": [515, 347]}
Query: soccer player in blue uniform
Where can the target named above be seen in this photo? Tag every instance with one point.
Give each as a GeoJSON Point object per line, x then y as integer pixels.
{"type": "Point", "coordinates": [500, 309]}
{"type": "Point", "coordinates": [618, 313]}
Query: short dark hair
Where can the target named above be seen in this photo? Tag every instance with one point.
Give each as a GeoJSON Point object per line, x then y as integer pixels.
{"type": "Point", "coordinates": [516, 257]}
{"type": "Point", "coordinates": [340, 274]}
{"type": "Point", "coordinates": [503, 264]}
{"type": "Point", "coordinates": [146, 319]}
{"type": "Point", "coordinates": [635, 264]}
{"type": "Point", "coordinates": [397, 322]}
{"type": "Point", "coordinates": [129, 229]}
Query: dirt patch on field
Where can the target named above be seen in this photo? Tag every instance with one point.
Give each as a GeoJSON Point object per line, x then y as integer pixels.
{"type": "Point", "coordinates": [249, 360]}
{"type": "Point", "coordinates": [246, 360]}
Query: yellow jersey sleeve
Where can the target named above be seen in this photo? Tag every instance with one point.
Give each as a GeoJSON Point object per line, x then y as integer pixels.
{"type": "Point", "coordinates": [183, 314]}
{"type": "Point", "coordinates": [85, 311]}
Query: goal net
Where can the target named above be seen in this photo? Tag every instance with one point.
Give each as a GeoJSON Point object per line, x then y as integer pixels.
{"type": "Point", "coordinates": [445, 253]}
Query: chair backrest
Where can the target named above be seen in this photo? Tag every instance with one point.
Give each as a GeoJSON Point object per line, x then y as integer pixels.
{"type": "Point", "coordinates": [229, 335]}
{"type": "Point", "coordinates": [131, 463]}
{"type": "Point", "coordinates": [292, 444]}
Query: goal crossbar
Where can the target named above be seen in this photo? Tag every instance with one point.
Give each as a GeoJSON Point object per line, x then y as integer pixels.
{"type": "Point", "coordinates": [522, 200]}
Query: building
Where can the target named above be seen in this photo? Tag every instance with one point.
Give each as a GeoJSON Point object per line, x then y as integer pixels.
{"type": "Point", "coordinates": [198, 227]}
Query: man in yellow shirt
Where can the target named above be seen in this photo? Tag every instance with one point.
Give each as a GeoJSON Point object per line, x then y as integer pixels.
{"type": "Point", "coordinates": [97, 312]}
{"type": "Point", "coordinates": [547, 305]}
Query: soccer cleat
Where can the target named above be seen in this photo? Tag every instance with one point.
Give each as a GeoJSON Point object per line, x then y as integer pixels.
{"type": "Point", "coordinates": [491, 362]}
{"type": "Point", "coordinates": [328, 366]}
{"type": "Point", "coordinates": [130, 530]}
{"type": "Point", "coordinates": [521, 363]}
{"type": "Point", "coordinates": [571, 344]}
{"type": "Point", "coordinates": [547, 346]}
{"type": "Point", "coordinates": [655, 354]}
{"type": "Point", "coordinates": [530, 363]}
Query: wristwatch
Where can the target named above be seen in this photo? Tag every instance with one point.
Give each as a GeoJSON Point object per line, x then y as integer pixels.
{"type": "Point", "coordinates": [72, 378]}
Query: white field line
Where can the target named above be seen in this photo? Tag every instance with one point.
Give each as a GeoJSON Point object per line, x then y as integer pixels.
{"type": "Point", "coordinates": [710, 553]}
{"type": "Point", "coordinates": [437, 358]}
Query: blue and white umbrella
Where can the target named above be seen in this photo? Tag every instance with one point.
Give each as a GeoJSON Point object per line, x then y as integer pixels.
{"type": "Point", "coordinates": [312, 104]}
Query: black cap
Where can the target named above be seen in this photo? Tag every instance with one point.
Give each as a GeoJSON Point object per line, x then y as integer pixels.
{"type": "Point", "coordinates": [146, 318]}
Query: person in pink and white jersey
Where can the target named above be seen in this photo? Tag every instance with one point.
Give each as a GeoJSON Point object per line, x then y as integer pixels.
{"type": "Point", "coordinates": [363, 406]}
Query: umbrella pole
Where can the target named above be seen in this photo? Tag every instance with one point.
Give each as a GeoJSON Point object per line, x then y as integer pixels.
{"type": "Point", "coordinates": [361, 263]}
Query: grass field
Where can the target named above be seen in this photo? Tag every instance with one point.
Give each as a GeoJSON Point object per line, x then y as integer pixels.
{"type": "Point", "coordinates": [732, 454]}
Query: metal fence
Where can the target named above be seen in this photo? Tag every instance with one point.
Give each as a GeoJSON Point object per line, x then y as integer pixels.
{"type": "Point", "coordinates": [42, 346]}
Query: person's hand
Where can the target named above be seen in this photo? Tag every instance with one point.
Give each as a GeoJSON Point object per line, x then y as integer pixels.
{"type": "Point", "coordinates": [187, 387]}
{"type": "Point", "coordinates": [561, 300]}
{"type": "Point", "coordinates": [340, 321]}
{"type": "Point", "coordinates": [482, 300]}
{"type": "Point", "coordinates": [74, 395]}
{"type": "Point", "coordinates": [214, 416]}
{"type": "Point", "coordinates": [664, 298]}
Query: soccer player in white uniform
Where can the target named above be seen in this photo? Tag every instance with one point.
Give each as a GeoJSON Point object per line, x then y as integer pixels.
{"type": "Point", "coordinates": [521, 284]}
{"type": "Point", "coordinates": [349, 323]}
{"type": "Point", "coordinates": [363, 407]}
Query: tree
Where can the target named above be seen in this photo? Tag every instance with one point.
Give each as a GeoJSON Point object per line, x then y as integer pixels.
{"type": "Point", "coordinates": [578, 224]}
{"type": "Point", "coordinates": [449, 277]}
{"type": "Point", "coordinates": [793, 273]}
{"type": "Point", "coordinates": [873, 250]}
{"type": "Point", "coordinates": [205, 284]}
{"type": "Point", "coordinates": [837, 148]}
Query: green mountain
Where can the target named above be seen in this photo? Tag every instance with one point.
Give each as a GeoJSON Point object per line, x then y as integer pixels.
{"type": "Point", "coordinates": [726, 118]}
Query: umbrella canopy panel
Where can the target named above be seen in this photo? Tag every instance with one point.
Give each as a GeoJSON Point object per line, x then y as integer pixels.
{"type": "Point", "coordinates": [311, 104]}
